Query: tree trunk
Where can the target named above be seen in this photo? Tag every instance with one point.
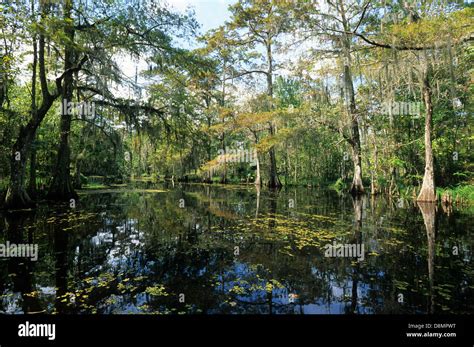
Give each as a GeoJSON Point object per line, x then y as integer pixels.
{"type": "Point", "coordinates": [77, 182]}
{"type": "Point", "coordinates": [32, 182]}
{"type": "Point", "coordinates": [209, 149]}
{"type": "Point", "coordinates": [357, 186]}
{"type": "Point", "coordinates": [373, 183]}
{"type": "Point", "coordinates": [224, 171]}
{"type": "Point", "coordinates": [17, 197]}
{"type": "Point", "coordinates": [258, 180]}
{"type": "Point", "coordinates": [273, 181]}
{"type": "Point", "coordinates": [427, 192]}
{"type": "Point", "coordinates": [257, 187]}
{"type": "Point", "coordinates": [61, 186]}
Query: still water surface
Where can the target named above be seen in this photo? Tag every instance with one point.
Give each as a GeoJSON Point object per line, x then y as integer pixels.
{"type": "Point", "coordinates": [233, 249]}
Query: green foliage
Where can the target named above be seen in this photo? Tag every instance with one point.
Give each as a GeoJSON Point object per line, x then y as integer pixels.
{"type": "Point", "coordinates": [339, 185]}
{"type": "Point", "coordinates": [462, 193]}
{"type": "Point", "coordinates": [198, 101]}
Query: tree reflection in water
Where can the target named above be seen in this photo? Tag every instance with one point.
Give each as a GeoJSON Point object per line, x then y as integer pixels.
{"type": "Point", "coordinates": [138, 251]}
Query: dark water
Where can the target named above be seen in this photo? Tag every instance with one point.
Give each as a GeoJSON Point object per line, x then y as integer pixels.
{"type": "Point", "coordinates": [234, 250]}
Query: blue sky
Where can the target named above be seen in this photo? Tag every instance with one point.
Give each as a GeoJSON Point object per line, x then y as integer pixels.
{"type": "Point", "coordinates": [209, 13]}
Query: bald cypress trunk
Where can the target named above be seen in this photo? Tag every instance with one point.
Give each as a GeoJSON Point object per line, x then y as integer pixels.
{"type": "Point", "coordinates": [32, 183]}
{"type": "Point", "coordinates": [258, 180]}
{"type": "Point", "coordinates": [61, 186]}
{"type": "Point", "coordinates": [357, 186]}
{"type": "Point", "coordinates": [427, 192]}
{"type": "Point", "coordinates": [17, 196]}
{"type": "Point", "coordinates": [273, 180]}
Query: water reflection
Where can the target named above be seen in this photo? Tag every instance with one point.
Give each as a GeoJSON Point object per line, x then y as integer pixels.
{"type": "Point", "coordinates": [20, 270]}
{"type": "Point", "coordinates": [358, 205]}
{"type": "Point", "coordinates": [428, 211]}
{"type": "Point", "coordinates": [236, 250]}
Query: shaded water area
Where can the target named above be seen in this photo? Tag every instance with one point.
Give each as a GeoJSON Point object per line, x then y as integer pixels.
{"type": "Point", "coordinates": [233, 249]}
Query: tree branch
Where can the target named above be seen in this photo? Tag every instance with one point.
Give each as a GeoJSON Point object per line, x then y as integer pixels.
{"type": "Point", "coordinates": [68, 72]}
